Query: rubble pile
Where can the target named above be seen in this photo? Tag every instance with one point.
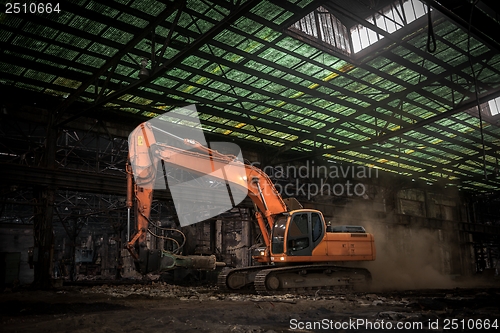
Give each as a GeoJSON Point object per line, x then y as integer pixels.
{"type": "Point", "coordinates": [162, 289]}
{"type": "Point", "coordinates": [212, 293]}
{"type": "Point", "coordinates": [156, 289]}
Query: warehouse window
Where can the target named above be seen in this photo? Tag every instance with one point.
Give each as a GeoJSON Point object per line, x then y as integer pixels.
{"type": "Point", "coordinates": [494, 105]}
{"type": "Point", "coordinates": [329, 27]}
{"type": "Point", "coordinates": [324, 27]}
{"type": "Point", "coordinates": [490, 110]}
{"type": "Point", "coordinates": [389, 19]}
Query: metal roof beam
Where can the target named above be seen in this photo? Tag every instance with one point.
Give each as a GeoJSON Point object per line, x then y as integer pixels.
{"type": "Point", "coordinates": [402, 42]}
{"type": "Point", "coordinates": [272, 126]}
{"type": "Point", "coordinates": [322, 141]}
{"type": "Point", "coordinates": [44, 55]}
{"type": "Point", "coordinates": [419, 87]}
{"type": "Point", "coordinates": [417, 125]}
{"type": "Point", "coordinates": [483, 26]}
{"type": "Point", "coordinates": [227, 63]}
{"type": "Point", "coordinates": [253, 57]}
{"type": "Point", "coordinates": [204, 122]}
{"type": "Point", "coordinates": [299, 144]}
{"type": "Point", "coordinates": [176, 5]}
{"type": "Point", "coordinates": [160, 70]}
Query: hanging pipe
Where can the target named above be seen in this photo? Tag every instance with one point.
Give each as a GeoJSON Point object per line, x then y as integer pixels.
{"type": "Point", "coordinates": [130, 194]}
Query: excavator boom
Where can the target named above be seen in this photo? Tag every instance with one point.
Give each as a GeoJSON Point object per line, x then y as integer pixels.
{"type": "Point", "coordinates": [146, 153]}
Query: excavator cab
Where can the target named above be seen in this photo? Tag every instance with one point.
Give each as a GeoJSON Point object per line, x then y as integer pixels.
{"type": "Point", "coordinates": [301, 236]}
{"type": "Point", "coordinates": [297, 233]}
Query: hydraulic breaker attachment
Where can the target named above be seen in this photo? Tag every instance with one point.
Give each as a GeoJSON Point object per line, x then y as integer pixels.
{"type": "Point", "coordinates": [158, 260]}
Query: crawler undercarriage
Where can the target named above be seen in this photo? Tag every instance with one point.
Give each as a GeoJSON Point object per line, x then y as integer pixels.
{"type": "Point", "coordinates": [269, 280]}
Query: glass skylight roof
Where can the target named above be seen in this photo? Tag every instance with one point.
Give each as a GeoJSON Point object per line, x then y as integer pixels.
{"type": "Point", "coordinates": [257, 83]}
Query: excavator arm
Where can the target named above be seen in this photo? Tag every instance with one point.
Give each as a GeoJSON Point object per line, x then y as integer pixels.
{"type": "Point", "coordinates": [146, 156]}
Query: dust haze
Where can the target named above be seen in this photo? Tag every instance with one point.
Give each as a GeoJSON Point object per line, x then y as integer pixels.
{"type": "Point", "coordinates": [408, 257]}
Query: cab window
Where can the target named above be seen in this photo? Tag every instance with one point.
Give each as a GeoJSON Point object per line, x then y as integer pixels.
{"type": "Point", "coordinates": [277, 243]}
{"type": "Point", "coordinates": [317, 227]}
{"type": "Point", "coordinates": [298, 234]}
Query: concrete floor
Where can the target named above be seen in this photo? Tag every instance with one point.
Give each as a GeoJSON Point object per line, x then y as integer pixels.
{"type": "Point", "coordinates": [161, 307]}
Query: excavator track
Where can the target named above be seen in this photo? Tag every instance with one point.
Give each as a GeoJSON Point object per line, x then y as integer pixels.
{"type": "Point", "coordinates": [238, 279]}
{"type": "Point", "coordinates": [310, 278]}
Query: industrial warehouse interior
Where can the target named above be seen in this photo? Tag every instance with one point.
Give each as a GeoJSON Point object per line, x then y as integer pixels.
{"type": "Point", "coordinates": [249, 165]}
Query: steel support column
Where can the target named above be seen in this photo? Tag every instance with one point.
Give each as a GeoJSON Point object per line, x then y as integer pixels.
{"type": "Point", "coordinates": [43, 232]}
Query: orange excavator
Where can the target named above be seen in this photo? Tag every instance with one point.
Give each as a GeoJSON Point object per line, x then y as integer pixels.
{"type": "Point", "coordinates": [299, 251]}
